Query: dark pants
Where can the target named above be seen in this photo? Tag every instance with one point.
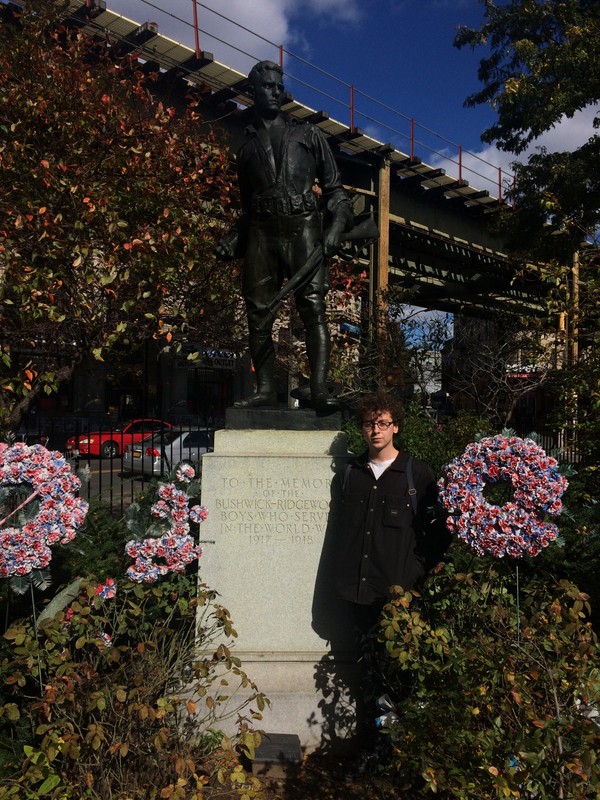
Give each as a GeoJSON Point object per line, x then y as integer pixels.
{"type": "Point", "coordinates": [373, 662]}
{"type": "Point", "coordinates": [278, 246]}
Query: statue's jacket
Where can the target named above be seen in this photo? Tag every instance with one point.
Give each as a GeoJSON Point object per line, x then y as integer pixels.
{"type": "Point", "coordinates": [279, 179]}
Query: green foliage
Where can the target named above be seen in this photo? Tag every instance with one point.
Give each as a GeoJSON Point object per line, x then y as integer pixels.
{"type": "Point", "coordinates": [134, 716]}
{"type": "Point", "coordinates": [96, 550]}
{"type": "Point", "coordinates": [500, 687]}
{"type": "Point", "coordinates": [437, 443]}
{"type": "Point", "coordinates": [124, 697]}
{"type": "Point", "coordinates": [578, 556]}
{"type": "Point", "coordinates": [540, 67]}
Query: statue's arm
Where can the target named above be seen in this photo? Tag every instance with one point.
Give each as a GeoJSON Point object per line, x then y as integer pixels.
{"type": "Point", "coordinates": [233, 244]}
{"type": "Point", "coordinates": [340, 216]}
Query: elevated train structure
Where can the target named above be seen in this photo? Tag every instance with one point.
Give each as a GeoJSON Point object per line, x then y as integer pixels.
{"type": "Point", "coordinates": [435, 234]}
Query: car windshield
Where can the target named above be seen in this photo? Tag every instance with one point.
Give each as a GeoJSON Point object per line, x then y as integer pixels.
{"type": "Point", "coordinates": [161, 436]}
{"type": "Point", "coordinates": [101, 429]}
{"type": "Point", "coordinates": [197, 439]}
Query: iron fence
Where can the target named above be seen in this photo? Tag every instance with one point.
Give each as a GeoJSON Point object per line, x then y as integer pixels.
{"type": "Point", "coordinates": [117, 460]}
{"type": "Point", "coordinates": [561, 443]}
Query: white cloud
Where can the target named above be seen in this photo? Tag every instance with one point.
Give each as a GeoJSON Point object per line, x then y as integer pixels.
{"type": "Point", "coordinates": [568, 134]}
{"type": "Point", "coordinates": [480, 168]}
{"type": "Point", "coordinates": [267, 22]}
{"type": "Point", "coordinates": [343, 10]}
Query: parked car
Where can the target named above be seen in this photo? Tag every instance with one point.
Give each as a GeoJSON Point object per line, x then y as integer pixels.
{"type": "Point", "coordinates": [112, 442]}
{"type": "Point", "coordinates": [160, 452]}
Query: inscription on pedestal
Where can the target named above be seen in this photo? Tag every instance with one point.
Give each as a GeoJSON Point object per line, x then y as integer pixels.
{"type": "Point", "coordinates": [271, 510]}
{"type": "Point", "coordinates": [268, 515]}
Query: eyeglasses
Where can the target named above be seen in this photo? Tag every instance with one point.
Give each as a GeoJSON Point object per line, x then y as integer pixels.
{"type": "Point", "coordinates": [382, 424]}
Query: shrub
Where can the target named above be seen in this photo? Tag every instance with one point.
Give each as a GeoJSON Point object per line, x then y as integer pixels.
{"type": "Point", "coordinates": [500, 687]}
{"type": "Point", "coordinates": [578, 554]}
{"type": "Point", "coordinates": [135, 689]}
{"type": "Point", "coordinates": [97, 550]}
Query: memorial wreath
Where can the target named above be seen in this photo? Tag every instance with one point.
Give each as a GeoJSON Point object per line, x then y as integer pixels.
{"type": "Point", "coordinates": [59, 513]}
{"type": "Point", "coordinates": [519, 526]}
{"type": "Point", "coordinates": [175, 548]}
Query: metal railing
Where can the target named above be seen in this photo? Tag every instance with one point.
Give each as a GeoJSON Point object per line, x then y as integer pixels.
{"type": "Point", "coordinates": [116, 466]}
{"type": "Point", "coordinates": [317, 88]}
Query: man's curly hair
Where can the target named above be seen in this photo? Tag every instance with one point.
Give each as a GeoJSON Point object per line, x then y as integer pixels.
{"type": "Point", "coordinates": [378, 402]}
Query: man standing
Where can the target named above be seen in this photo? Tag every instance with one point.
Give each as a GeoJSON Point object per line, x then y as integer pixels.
{"type": "Point", "coordinates": [388, 501]}
{"type": "Point", "coordinates": [285, 170]}
{"type": "Point", "coordinates": [390, 534]}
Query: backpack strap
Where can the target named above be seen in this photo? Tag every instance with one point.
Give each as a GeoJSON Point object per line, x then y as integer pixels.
{"type": "Point", "coordinates": [411, 485]}
{"type": "Point", "coordinates": [349, 466]}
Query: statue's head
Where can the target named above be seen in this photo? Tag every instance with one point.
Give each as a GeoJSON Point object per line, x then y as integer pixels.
{"type": "Point", "coordinates": [258, 70]}
{"type": "Point", "coordinates": [265, 84]}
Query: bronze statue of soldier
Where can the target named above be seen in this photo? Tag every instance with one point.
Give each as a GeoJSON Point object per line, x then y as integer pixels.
{"type": "Point", "coordinates": [286, 230]}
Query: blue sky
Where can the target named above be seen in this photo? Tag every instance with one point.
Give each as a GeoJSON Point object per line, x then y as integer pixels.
{"type": "Point", "coordinates": [399, 52]}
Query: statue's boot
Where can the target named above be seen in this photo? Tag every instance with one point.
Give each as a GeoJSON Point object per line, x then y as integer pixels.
{"type": "Point", "coordinates": [262, 351]}
{"type": "Point", "coordinates": [317, 350]}
{"type": "Point", "coordinates": [262, 397]}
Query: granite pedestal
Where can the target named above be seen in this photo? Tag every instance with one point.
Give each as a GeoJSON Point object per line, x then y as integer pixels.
{"type": "Point", "coordinates": [268, 495]}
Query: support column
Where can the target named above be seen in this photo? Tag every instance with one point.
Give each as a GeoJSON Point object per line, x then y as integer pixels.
{"type": "Point", "coordinates": [572, 352]}
{"type": "Point", "coordinates": [379, 278]}
{"type": "Point", "coordinates": [383, 243]}
{"type": "Point", "coordinates": [573, 329]}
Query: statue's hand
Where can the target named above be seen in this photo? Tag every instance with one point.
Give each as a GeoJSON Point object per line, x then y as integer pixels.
{"type": "Point", "coordinates": [225, 249]}
{"type": "Point", "coordinates": [332, 240]}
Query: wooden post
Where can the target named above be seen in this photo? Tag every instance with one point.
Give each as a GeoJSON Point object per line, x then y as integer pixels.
{"type": "Point", "coordinates": [574, 312]}
{"type": "Point", "coordinates": [572, 350]}
{"type": "Point", "coordinates": [383, 216]}
{"type": "Point", "coordinates": [379, 277]}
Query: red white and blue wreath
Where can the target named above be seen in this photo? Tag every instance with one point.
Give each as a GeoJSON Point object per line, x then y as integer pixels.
{"type": "Point", "coordinates": [59, 513]}
{"type": "Point", "coordinates": [519, 527]}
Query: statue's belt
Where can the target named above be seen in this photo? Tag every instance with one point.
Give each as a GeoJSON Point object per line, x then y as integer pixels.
{"type": "Point", "coordinates": [292, 204]}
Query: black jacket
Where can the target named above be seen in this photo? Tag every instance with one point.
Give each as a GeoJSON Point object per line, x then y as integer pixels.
{"type": "Point", "coordinates": [380, 541]}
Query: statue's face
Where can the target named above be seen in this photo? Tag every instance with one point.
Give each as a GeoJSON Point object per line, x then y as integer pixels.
{"type": "Point", "coordinates": [268, 94]}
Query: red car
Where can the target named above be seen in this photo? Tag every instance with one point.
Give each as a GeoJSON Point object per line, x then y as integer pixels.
{"type": "Point", "coordinates": [111, 443]}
